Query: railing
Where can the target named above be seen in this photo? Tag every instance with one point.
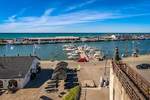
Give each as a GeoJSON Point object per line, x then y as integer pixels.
{"type": "Point", "coordinates": [140, 81]}
{"type": "Point", "coordinates": [135, 85]}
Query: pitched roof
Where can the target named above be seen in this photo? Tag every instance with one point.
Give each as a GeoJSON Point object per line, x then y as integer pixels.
{"type": "Point", "coordinates": [15, 67]}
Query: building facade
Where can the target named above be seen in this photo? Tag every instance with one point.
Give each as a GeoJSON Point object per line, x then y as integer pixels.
{"type": "Point", "coordinates": [15, 72]}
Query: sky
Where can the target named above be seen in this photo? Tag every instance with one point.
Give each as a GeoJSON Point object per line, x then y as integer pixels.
{"type": "Point", "coordinates": [74, 16]}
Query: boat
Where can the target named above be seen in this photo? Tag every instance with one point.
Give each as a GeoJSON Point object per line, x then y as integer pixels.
{"type": "Point", "coordinates": [69, 46]}
{"type": "Point", "coordinates": [70, 49]}
{"type": "Point", "coordinates": [69, 53]}
{"type": "Point", "coordinates": [98, 55]}
{"type": "Point", "coordinates": [75, 52]}
{"type": "Point", "coordinates": [124, 55]}
{"type": "Point", "coordinates": [72, 54]}
{"type": "Point", "coordinates": [71, 57]}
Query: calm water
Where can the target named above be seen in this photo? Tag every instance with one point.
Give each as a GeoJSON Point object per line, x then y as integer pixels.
{"type": "Point", "coordinates": [55, 52]}
{"type": "Point", "coordinates": [26, 35]}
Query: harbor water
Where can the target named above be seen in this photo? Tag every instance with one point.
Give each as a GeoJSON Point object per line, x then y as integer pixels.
{"type": "Point", "coordinates": [55, 51]}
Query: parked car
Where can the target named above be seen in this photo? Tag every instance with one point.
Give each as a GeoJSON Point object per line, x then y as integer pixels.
{"type": "Point", "coordinates": [143, 66]}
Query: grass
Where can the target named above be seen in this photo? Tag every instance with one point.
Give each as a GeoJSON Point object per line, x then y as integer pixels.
{"type": "Point", "coordinates": [73, 94]}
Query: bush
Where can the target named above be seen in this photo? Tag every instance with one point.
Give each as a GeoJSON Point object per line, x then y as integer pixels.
{"type": "Point", "coordinates": [73, 94]}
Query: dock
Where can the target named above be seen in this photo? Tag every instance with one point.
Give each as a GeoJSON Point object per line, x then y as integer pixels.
{"type": "Point", "coordinates": [83, 55]}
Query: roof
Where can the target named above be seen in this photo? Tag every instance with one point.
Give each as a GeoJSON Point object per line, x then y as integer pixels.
{"type": "Point", "coordinates": [15, 67]}
{"type": "Point", "coordinates": [133, 62]}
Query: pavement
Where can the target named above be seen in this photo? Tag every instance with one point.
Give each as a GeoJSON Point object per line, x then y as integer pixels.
{"type": "Point", "coordinates": [134, 61]}
{"type": "Point", "coordinates": [88, 71]}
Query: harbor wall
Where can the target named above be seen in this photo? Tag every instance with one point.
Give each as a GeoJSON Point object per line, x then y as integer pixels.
{"type": "Point", "coordinates": [116, 90]}
{"type": "Point", "coordinates": [71, 39]}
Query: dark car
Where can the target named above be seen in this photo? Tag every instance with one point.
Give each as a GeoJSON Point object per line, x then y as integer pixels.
{"type": "Point", "coordinates": [143, 66]}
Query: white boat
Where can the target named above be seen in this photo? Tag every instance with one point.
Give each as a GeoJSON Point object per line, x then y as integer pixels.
{"type": "Point", "coordinates": [69, 46]}
{"type": "Point", "coordinates": [75, 52]}
{"type": "Point", "coordinates": [73, 57]}
{"type": "Point", "coordinates": [98, 55]}
{"type": "Point", "coordinates": [72, 53]}
{"type": "Point", "coordinates": [124, 55]}
{"type": "Point", "coordinates": [65, 46]}
{"type": "Point", "coordinates": [69, 53]}
{"type": "Point", "coordinates": [69, 49]}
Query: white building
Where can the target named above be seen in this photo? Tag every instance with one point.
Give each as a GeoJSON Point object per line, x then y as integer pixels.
{"type": "Point", "coordinates": [114, 37]}
{"type": "Point", "coordinates": [15, 72]}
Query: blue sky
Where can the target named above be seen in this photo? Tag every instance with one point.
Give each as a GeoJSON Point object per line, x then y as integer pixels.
{"type": "Point", "coordinates": [74, 16]}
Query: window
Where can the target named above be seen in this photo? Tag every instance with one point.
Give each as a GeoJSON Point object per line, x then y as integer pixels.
{"type": "Point", "coordinates": [1, 84]}
{"type": "Point", "coordinates": [13, 83]}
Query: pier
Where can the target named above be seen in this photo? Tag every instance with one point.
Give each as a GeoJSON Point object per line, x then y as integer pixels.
{"type": "Point", "coordinates": [83, 55]}
{"type": "Point", "coordinates": [71, 39]}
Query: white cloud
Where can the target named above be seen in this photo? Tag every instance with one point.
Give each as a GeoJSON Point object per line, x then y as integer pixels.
{"type": "Point", "coordinates": [46, 20]}
{"type": "Point", "coordinates": [80, 5]}
{"type": "Point", "coordinates": [48, 23]}
{"type": "Point", "coordinates": [48, 12]}
{"type": "Point", "coordinates": [13, 17]}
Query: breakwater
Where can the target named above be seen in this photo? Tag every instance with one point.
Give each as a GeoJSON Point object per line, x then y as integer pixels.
{"type": "Point", "coordinates": [73, 39]}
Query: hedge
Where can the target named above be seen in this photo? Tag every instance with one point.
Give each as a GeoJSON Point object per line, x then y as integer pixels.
{"type": "Point", "coordinates": [73, 94]}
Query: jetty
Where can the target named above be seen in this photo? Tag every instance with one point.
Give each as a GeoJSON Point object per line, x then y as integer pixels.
{"type": "Point", "coordinates": [83, 55]}
{"type": "Point", "coordinates": [71, 39]}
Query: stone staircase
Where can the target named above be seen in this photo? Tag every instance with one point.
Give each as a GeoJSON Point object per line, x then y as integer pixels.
{"type": "Point", "coordinates": [83, 94]}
